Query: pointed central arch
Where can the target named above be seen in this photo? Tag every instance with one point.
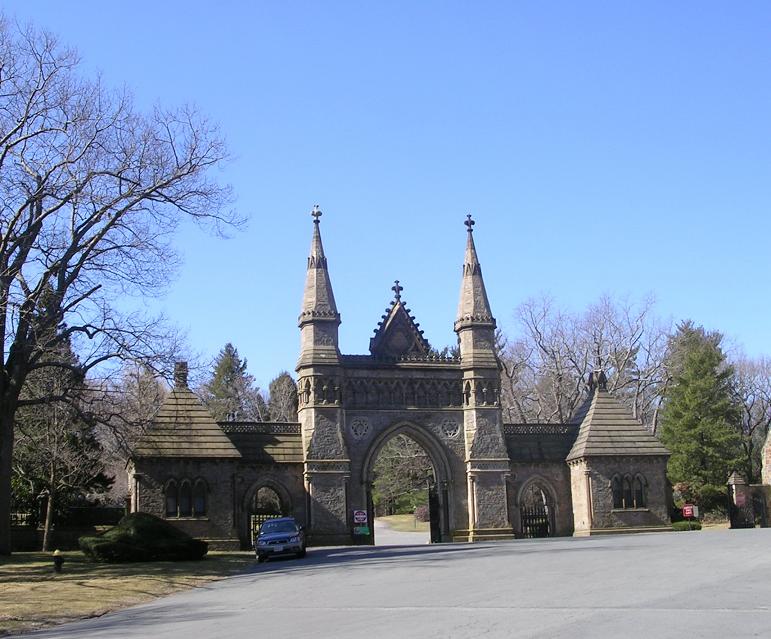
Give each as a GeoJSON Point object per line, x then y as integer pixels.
{"type": "Point", "coordinates": [440, 488]}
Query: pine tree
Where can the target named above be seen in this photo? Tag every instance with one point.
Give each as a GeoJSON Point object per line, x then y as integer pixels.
{"type": "Point", "coordinates": [230, 394]}
{"type": "Point", "coordinates": [700, 419]}
{"type": "Point", "coordinates": [58, 456]}
{"type": "Point", "coordinates": [282, 398]}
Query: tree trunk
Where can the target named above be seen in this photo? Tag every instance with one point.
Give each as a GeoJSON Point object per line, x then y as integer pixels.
{"type": "Point", "coordinates": [47, 525]}
{"type": "Point", "coordinates": [6, 459]}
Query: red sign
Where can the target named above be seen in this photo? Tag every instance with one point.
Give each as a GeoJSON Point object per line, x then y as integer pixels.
{"type": "Point", "coordinates": [359, 516]}
{"type": "Point", "coordinates": [688, 511]}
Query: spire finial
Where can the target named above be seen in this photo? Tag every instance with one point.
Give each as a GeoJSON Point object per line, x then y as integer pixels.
{"type": "Point", "coordinates": [469, 223]}
{"type": "Point", "coordinates": [316, 213]}
{"type": "Point", "coordinates": [397, 290]}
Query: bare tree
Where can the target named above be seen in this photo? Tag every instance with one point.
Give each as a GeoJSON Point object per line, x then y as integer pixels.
{"type": "Point", "coordinates": [752, 384]}
{"type": "Point", "coordinates": [91, 192]}
{"type": "Point", "coordinates": [544, 369]}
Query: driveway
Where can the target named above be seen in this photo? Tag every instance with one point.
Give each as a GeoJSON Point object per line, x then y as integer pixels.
{"type": "Point", "coordinates": [387, 536]}
{"type": "Point", "coordinates": [699, 584]}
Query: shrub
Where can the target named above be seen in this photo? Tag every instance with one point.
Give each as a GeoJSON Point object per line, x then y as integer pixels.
{"type": "Point", "coordinates": [422, 514]}
{"type": "Point", "coordinates": [142, 537]}
{"type": "Point", "coordinates": [686, 525]}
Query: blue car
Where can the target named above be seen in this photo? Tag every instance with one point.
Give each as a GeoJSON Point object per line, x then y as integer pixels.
{"type": "Point", "coordinates": [282, 536]}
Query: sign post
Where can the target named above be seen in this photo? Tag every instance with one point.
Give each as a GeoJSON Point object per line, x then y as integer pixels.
{"type": "Point", "coordinates": [360, 523]}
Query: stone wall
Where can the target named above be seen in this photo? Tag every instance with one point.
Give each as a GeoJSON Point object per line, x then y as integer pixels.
{"type": "Point", "coordinates": [604, 517]}
{"type": "Point", "coordinates": [218, 525]}
{"type": "Point", "coordinates": [555, 478]}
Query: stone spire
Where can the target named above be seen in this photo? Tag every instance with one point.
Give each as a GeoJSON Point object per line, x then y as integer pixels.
{"type": "Point", "coordinates": [473, 307]}
{"type": "Point", "coordinates": [475, 324]}
{"type": "Point", "coordinates": [319, 318]}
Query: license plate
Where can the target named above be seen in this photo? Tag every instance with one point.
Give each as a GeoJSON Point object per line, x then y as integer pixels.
{"type": "Point", "coordinates": [278, 548]}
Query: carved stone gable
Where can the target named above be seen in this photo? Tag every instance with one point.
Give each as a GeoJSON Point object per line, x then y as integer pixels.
{"type": "Point", "coordinates": [398, 335]}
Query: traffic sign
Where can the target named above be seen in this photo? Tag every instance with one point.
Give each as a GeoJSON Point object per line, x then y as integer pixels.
{"type": "Point", "coordinates": [359, 516]}
{"type": "Point", "coordinates": [688, 511]}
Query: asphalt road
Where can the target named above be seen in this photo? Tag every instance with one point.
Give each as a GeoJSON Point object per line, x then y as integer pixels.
{"type": "Point", "coordinates": [386, 536]}
{"type": "Point", "coordinates": [699, 584]}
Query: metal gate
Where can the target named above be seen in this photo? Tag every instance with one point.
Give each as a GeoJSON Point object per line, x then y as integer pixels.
{"type": "Point", "coordinates": [535, 521]}
{"type": "Point", "coordinates": [433, 514]}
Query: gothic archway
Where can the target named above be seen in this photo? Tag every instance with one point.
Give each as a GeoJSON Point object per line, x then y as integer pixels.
{"type": "Point", "coordinates": [438, 482]}
{"type": "Point", "coordinates": [265, 499]}
{"type": "Point", "coordinates": [536, 508]}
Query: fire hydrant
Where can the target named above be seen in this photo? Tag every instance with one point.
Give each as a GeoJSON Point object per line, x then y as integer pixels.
{"type": "Point", "coordinates": [58, 560]}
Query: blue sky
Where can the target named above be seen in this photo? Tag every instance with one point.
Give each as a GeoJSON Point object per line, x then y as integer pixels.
{"type": "Point", "coordinates": [618, 148]}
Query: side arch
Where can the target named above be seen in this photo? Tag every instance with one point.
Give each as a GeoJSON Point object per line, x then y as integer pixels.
{"type": "Point", "coordinates": [248, 524]}
{"type": "Point", "coordinates": [536, 520]}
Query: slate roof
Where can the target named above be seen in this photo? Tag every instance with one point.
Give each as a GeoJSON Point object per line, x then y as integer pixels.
{"type": "Point", "coordinates": [183, 427]}
{"type": "Point", "coordinates": [266, 442]}
{"type": "Point", "coordinates": [608, 428]}
{"type": "Point", "coordinates": [539, 442]}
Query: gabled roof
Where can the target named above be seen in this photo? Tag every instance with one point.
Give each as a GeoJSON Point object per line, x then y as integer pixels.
{"type": "Point", "coordinates": [608, 428]}
{"type": "Point", "coordinates": [398, 334]}
{"type": "Point", "coordinates": [183, 427]}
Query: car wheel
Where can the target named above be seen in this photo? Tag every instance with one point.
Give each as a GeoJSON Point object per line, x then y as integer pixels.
{"type": "Point", "coordinates": [301, 554]}
{"type": "Point", "coordinates": [261, 559]}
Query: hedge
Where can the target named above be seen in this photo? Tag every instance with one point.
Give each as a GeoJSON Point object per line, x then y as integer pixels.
{"type": "Point", "coordinates": [142, 537]}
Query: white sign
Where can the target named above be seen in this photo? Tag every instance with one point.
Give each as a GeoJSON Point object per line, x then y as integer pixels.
{"type": "Point", "coordinates": [359, 516]}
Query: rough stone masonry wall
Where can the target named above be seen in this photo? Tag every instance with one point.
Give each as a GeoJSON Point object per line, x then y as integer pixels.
{"type": "Point", "coordinates": [657, 508]}
{"type": "Point", "coordinates": [218, 524]}
{"type": "Point", "coordinates": [766, 460]}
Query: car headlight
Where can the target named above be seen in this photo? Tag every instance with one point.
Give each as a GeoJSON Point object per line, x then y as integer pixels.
{"type": "Point", "coordinates": [294, 540]}
{"type": "Point", "coordinates": [262, 542]}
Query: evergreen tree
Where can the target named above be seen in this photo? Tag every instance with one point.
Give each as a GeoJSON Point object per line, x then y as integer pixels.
{"type": "Point", "coordinates": [700, 419]}
{"type": "Point", "coordinates": [282, 398]}
{"type": "Point", "coordinates": [57, 457]}
{"type": "Point", "coordinates": [230, 394]}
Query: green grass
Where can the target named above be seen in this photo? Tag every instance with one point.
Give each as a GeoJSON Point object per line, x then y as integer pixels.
{"type": "Point", "coordinates": [33, 596]}
{"type": "Point", "coordinates": [405, 523]}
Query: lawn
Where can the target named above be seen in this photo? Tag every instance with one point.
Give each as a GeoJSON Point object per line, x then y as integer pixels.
{"type": "Point", "coordinates": [405, 523]}
{"type": "Point", "coordinates": [33, 596]}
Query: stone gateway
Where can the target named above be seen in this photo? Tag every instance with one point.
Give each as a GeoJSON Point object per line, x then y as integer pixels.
{"type": "Point", "coordinates": [602, 472]}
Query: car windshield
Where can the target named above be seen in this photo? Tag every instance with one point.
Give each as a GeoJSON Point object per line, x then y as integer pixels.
{"type": "Point", "coordinates": [278, 527]}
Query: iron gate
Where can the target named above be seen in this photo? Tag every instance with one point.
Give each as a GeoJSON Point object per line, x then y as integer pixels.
{"type": "Point", "coordinates": [535, 521]}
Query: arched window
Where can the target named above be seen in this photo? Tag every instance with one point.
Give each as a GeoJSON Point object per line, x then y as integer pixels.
{"type": "Point", "coordinates": [172, 499]}
{"type": "Point", "coordinates": [618, 497]}
{"type": "Point", "coordinates": [185, 500]}
{"type": "Point", "coordinates": [628, 497]}
{"type": "Point", "coordinates": [639, 492]}
{"type": "Point", "coordinates": [199, 498]}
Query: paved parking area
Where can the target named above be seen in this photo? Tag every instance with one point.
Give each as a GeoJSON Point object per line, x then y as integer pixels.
{"type": "Point", "coordinates": [699, 584]}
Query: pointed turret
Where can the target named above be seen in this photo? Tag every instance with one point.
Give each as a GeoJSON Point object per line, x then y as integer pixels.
{"type": "Point", "coordinates": [319, 318]}
{"type": "Point", "coordinates": [475, 324]}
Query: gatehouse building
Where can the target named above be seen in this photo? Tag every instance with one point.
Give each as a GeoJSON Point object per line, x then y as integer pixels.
{"type": "Point", "coordinates": [602, 472]}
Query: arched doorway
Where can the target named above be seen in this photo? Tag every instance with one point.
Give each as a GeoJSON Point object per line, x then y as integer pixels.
{"type": "Point", "coordinates": [535, 510]}
{"type": "Point", "coordinates": [406, 473]}
{"type": "Point", "coordinates": [267, 501]}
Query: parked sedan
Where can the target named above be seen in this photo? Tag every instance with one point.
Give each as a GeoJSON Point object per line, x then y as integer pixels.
{"type": "Point", "coordinates": [281, 536]}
